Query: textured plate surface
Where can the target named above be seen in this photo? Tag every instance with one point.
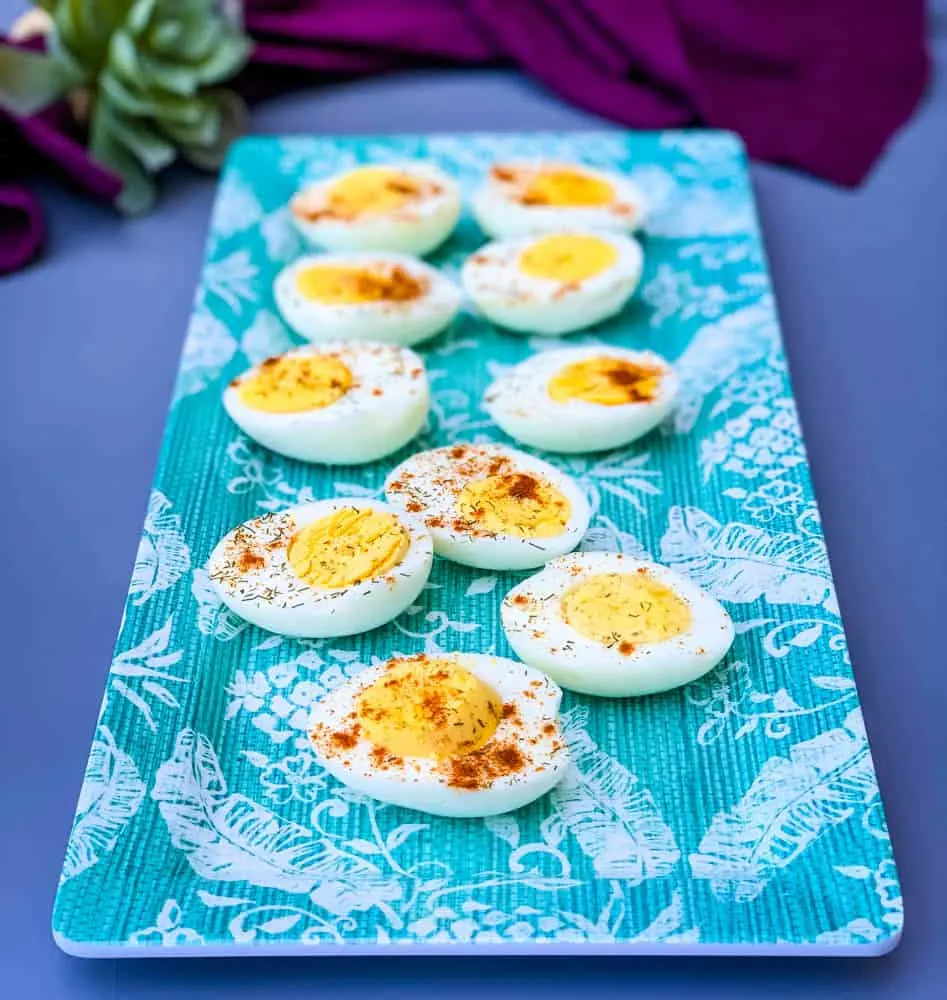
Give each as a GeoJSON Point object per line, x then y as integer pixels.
{"type": "Point", "coordinates": [740, 814]}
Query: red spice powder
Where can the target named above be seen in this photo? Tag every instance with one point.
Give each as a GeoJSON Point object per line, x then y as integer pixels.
{"type": "Point", "coordinates": [482, 767]}
{"type": "Point", "coordinates": [249, 560]}
{"type": "Point", "coordinates": [383, 759]}
{"type": "Point", "coordinates": [522, 487]}
{"type": "Point", "coordinates": [344, 739]}
{"type": "Point", "coordinates": [497, 465]}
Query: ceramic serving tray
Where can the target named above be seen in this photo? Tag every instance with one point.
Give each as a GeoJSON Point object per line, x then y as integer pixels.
{"type": "Point", "coordinates": [739, 814]}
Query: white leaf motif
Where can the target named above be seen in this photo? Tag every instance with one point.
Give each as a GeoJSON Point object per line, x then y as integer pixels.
{"type": "Point", "coordinates": [207, 349]}
{"type": "Point", "coordinates": [833, 683]}
{"type": "Point", "coordinates": [280, 925]}
{"type": "Point", "coordinates": [213, 616]}
{"type": "Point", "coordinates": [111, 794]}
{"type": "Point", "coordinates": [281, 237]}
{"type": "Point", "coordinates": [228, 837]}
{"type": "Point", "coordinates": [482, 585]}
{"type": "Point", "coordinates": [617, 825]}
{"type": "Point", "coordinates": [265, 337]}
{"type": "Point", "coordinates": [743, 562]}
{"type": "Point", "coordinates": [236, 208]}
{"type": "Point", "coordinates": [214, 899]}
{"type": "Point", "coordinates": [792, 802]}
{"type": "Point", "coordinates": [716, 352]}
{"type": "Point", "coordinates": [231, 279]}
{"type": "Point", "coordinates": [666, 926]}
{"type": "Point", "coordinates": [504, 827]}
{"type": "Point", "coordinates": [163, 556]}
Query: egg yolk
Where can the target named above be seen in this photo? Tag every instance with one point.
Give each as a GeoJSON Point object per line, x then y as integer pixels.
{"type": "Point", "coordinates": [567, 258]}
{"type": "Point", "coordinates": [605, 381]}
{"type": "Point", "coordinates": [567, 189]}
{"type": "Point", "coordinates": [338, 285]}
{"type": "Point", "coordinates": [515, 504]}
{"type": "Point", "coordinates": [348, 546]}
{"type": "Point", "coordinates": [372, 191]}
{"type": "Point", "coordinates": [296, 383]}
{"type": "Point", "coordinates": [624, 609]}
{"type": "Point", "coordinates": [428, 708]}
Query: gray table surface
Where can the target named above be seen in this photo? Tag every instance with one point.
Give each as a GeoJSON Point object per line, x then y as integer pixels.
{"type": "Point", "coordinates": [91, 337]}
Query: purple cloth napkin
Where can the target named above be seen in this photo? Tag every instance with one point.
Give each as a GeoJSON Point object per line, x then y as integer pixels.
{"type": "Point", "coordinates": [816, 86]}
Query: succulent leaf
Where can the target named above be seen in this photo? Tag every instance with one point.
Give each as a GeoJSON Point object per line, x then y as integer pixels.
{"type": "Point", "coordinates": [149, 66]}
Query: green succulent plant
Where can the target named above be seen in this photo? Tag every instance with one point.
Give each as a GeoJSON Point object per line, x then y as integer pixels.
{"type": "Point", "coordinates": [144, 74]}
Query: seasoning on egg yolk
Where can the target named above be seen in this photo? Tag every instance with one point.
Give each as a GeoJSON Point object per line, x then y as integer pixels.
{"type": "Point", "coordinates": [428, 708]}
{"type": "Point", "coordinates": [372, 191]}
{"type": "Point", "coordinates": [349, 546]}
{"type": "Point", "coordinates": [624, 609]}
{"type": "Point", "coordinates": [296, 383]}
{"type": "Point", "coordinates": [567, 258]}
{"type": "Point", "coordinates": [517, 504]}
{"type": "Point", "coordinates": [339, 285]}
{"type": "Point", "coordinates": [605, 381]}
{"type": "Point", "coordinates": [567, 189]}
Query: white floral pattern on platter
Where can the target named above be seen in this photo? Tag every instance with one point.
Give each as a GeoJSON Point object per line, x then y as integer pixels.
{"type": "Point", "coordinates": [228, 837]}
{"type": "Point", "coordinates": [208, 348]}
{"type": "Point", "coordinates": [163, 556]}
{"type": "Point", "coordinates": [744, 563]}
{"type": "Point", "coordinates": [112, 792]}
{"type": "Point", "coordinates": [167, 929]}
{"type": "Point", "coordinates": [141, 675]}
{"type": "Point", "coordinates": [792, 802]}
{"type": "Point", "coordinates": [201, 758]}
{"type": "Point", "coordinates": [736, 708]}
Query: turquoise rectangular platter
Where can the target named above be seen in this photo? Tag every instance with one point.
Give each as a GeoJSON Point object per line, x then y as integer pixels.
{"type": "Point", "coordinates": [738, 815]}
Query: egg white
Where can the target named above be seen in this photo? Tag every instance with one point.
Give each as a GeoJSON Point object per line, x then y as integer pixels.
{"type": "Point", "coordinates": [417, 782]}
{"type": "Point", "coordinates": [383, 410]}
{"type": "Point", "coordinates": [428, 484]}
{"type": "Point", "coordinates": [519, 302]}
{"type": "Point", "coordinates": [518, 401]}
{"type": "Point", "coordinates": [274, 598]}
{"type": "Point", "coordinates": [417, 227]}
{"type": "Point", "coordinates": [406, 323]}
{"type": "Point", "coordinates": [542, 638]}
{"type": "Point", "coordinates": [502, 215]}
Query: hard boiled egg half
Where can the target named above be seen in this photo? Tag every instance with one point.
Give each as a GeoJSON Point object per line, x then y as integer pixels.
{"type": "Point", "coordinates": [365, 296]}
{"type": "Point", "coordinates": [489, 506]}
{"type": "Point", "coordinates": [583, 398]}
{"type": "Point", "coordinates": [409, 207]}
{"type": "Point", "coordinates": [604, 624]}
{"type": "Point", "coordinates": [324, 569]}
{"type": "Point", "coordinates": [339, 403]}
{"type": "Point", "coordinates": [553, 284]}
{"type": "Point", "coordinates": [460, 734]}
{"type": "Point", "coordinates": [517, 199]}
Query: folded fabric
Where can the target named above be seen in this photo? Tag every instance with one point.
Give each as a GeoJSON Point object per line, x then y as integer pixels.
{"type": "Point", "coordinates": [21, 227]}
{"type": "Point", "coordinates": [821, 87]}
